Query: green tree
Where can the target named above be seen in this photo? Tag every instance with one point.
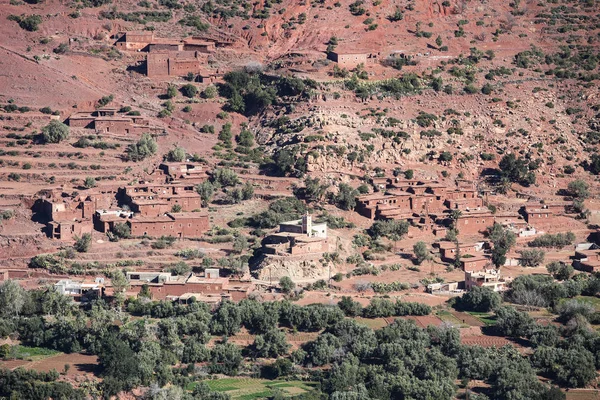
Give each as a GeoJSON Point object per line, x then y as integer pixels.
{"type": "Point", "coordinates": [225, 177]}
{"type": "Point", "coordinates": [271, 344]}
{"type": "Point", "coordinates": [176, 154]}
{"type": "Point", "coordinates": [345, 197]}
{"type": "Point", "coordinates": [171, 92]}
{"type": "Point", "coordinates": [579, 189]}
{"type": "Point", "coordinates": [559, 270]}
{"type": "Point", "coordinates": [245, 138]}
{"type": "Point", "coordinates": [144, 148]}
{"type": "Point", "coordinates": [531, 258]}
{"type": "Point", "coordinates": [502, 239]}
{"type": "Point", "coordinates": [480, 299]}
{"type": "Point", "coordinates": [206, 191]}
{"type": "Point", "coordinates": [55, 132]}
{"type": "Point", "coordinates": [189, 90]}
{"type": "Point", "coordinates": [421, 251]}
{"type": "Point", "coordinates": [12, 298]}
{"type": "Point", "coordinates": [240, 243]}
{"type": "Point", "coordinates": [121, 230]}
{"type": "Point", "coordinates": [350, 307]}
{"type": "Point", "coordinates": [209, 92]}
{"type": "Point", "coordinates": [83, 244]}
{"type": "Point", "coordinates": [89, 182]}
{"type": "Point", "coordinates": [286, 284]}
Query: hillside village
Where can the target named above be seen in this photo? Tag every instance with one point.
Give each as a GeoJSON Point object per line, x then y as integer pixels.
{"type": "Point", "coordinates": [324, 200]}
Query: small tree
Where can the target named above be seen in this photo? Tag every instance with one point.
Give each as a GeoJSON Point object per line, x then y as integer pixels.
{"type": "Point", "coordinates": [421, 252]}
{"type": "Point", "coordinates": [560, 270]}
{"type": "Point", "coordinates": [145, 147]}
{"type": "Point", "coordinates": [176, 155]}
{"type": "Point", "coordinates": [189, 90]}
{"type": "Point", "coordinates": [89, 182]}
{"type": "Point", "coordinates": [206, 191]}
{"type": "Point", "coordinates": [503, 240]}
{"type": "Point", "coordinates": [209, 92]}
{"type": "Point", "coordinates": [171, 91]}
{"type": "Point", "coordinates": [579, 189]}
{"type": "Point", "coordinates": [55, 132]}
{"type": "Point", "coordinates": [286, 284]}
{"type": "Point", "coordinates": [531, 258]}
{"type": "Point", "coordinates": [176, 208]}
{"type": "Point", "coordinates": [240, 244]}
{"type": "Point", "coordinates": [121, 230]}
{"type": "Point", "coordinates": [83, 244]}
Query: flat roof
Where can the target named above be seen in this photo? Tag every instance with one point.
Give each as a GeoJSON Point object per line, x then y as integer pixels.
{"type": "Point", "coordinates": [452, 245]}
{"type": "Point", "coordinates": [152, 219]}
{"type": "Point", "coordinates": [196, 215]}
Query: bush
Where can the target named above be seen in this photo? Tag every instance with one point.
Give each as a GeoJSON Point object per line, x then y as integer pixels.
{"type": "Point", "coordinates": [89, 182]}
{"type": "Point", "coordinates": [83, 244]}
{"type": "Point", "coordinates": [176, 155]}
{"type": "Point", "coordinates": [578, 189]}
{"type": "Point", "coordinates": [144, 148]}
{"type": "Point", "coordinates": [480, 299]}
{"type": "Point", "coordinates": [55, 132]}
{"type": "Point", "coordinates": [531, 258]}
{"type": "Point", "coordinates": [210, 92]}
{"type": "Point", "coordinates": [560, 270]}
{"type": "Point", "coordinates": [61, 48]}
{"type": "Point", "coordinates": [189, 90]}
{"type": "Point", "coordinates": [29, 23]}
{"type": "Point", "coordinates": [549, 240]}
{"type": "Point", "coordinates": [286, 284]}
{"type": "Point", "coordinates": [121, 230]}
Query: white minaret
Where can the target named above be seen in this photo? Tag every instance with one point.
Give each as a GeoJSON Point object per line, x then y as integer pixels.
{"type": "Point", "coordinates": [307, 224]}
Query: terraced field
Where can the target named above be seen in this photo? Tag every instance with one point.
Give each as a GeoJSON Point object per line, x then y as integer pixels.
{"type": "Point", "coordinates": [249, 388]}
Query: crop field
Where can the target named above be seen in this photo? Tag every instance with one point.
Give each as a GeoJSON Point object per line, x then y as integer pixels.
{"type": "Point", "coordinates": [249, 388]}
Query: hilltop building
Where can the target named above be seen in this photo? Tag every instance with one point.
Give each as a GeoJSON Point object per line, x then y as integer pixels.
{"type": "Point", "coordinates": [298, 237]}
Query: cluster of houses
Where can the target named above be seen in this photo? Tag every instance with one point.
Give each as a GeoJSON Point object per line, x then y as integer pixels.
{"type": "Point", "coordinates": [108, 120]}
{"type": "Point", "coordinates": [427, 205]}
{"type": "Point", "coordinates": [174, 57]}
{"type": "Point", "coordinates": [170, 208]}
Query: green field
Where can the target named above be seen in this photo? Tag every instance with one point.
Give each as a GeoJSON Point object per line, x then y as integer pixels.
{"type": "Point", "coordinates": [373, 323]}
{"type": "Point", "coordinates": [446, 316]}
{"type": "Point", "coordinates": [31, 353]}
{"type": "Point", "coordinates": [487, 318]}
{"type": "Point", "coordinates": [593, 300]}
{"type": "Point", "coordinates": [249, 388]}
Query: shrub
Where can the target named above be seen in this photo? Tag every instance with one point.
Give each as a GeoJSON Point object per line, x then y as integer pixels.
{"type": "Point", "coordinates": [189, 90]}
{"type": "Point", "coordinates": [83, 244]}
{"type": "Point", "coordinates": [89, 182]}
{"type": "Point", "coordinates": [145, 147]}
{"type": "Point", "coordinates": [29, 23]}
{"type": "Point", "coordinates": [549, 240]}
{"type": "Point", "coordinates": [480, 299]}
{"type": "Point", "coordinates": [55, 132]}
{"type": "Point", "coordinates": [531, 258]}
{"type": "Point", "coordinates": [578, 189]}
{"type": "Point", "coordinates": [176, 155]}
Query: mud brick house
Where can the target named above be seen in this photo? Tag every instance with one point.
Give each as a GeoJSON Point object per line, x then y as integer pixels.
{"type": "Point", "coordinates": [154, 200]}
{"type": "Point", "coordinates": [587, 259]}
{"type": "Point", "coordinates": [183, 172]}
{"type": "Point", "coordinates": [166, 286]}
{"type": "Point", "coordinates": [298, 237]}
{"type": "Point", "coordinates": [135, 40]}
{"type": "Point", "coordinates": [351, 59]}
{"type": "Point", "coordinates": [170, 63]}
{"type": "Point", "coordinates": [541, 214]}
{"type": "Point", "coordinates": [474, 222]}
{"type": "Point", "coordinates": [180, 225]}
{"type": "Point", "coordinates": [448, 249]}
{"type": "Point", "coordinates": [474, 263]}
{"type": "Point", "coordinates": [106, 120]}
{"type": "Point", "coordinates": [402, 198]}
